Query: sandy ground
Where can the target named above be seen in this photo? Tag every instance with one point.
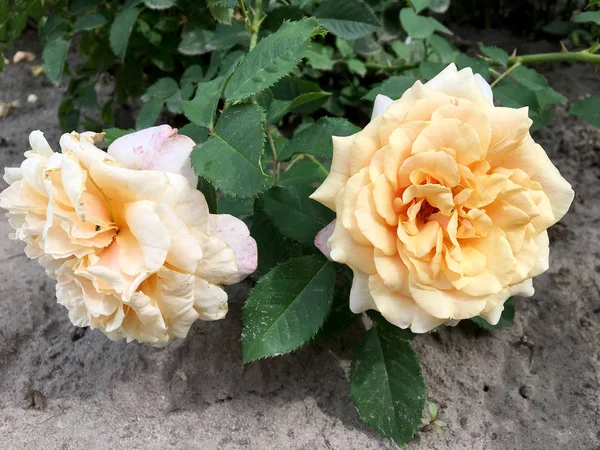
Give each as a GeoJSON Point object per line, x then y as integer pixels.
{"type": "Point", "coordinates": [533, 387]}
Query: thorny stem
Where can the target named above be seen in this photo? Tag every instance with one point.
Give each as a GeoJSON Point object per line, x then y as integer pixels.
{"type": "Point", "coordinates": [318, 163]}
{"type": "Point", "coordinates": [295, 159]}
{"type": "Point", "coordinates": [506, 72]}
{"type": "Point", "coordinates": [257, 20]}
{"type": "Point", "coordinates": [301, 156]}
{"type": "Point", "coordinates": [244, 12]}
{"type": "Point", "coordinates": [586, 56]}
{"type": "Point", "coordinates": [274, 151]}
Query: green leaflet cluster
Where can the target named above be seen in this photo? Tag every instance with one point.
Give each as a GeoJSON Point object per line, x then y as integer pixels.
{"type": "Point", "coordinates": [261, 87]}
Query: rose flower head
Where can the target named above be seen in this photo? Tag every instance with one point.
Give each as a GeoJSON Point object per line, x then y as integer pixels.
{"type": "Point", "coordinates": [125, 233]}
{"type": "Point", "coordinates": [442, 201]}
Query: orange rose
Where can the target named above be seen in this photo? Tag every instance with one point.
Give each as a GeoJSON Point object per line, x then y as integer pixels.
{"type": "Point", "coordinates": [442, 202]}
{"type": "Point", "coordinates": [126, 234]}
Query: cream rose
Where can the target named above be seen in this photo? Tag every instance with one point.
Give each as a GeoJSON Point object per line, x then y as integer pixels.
{"type": "Point", "coordinates": [442, 204]}
{"type": "Point", "coordinates": [127, 236]}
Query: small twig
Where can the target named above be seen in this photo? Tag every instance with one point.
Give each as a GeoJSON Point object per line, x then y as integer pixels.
{"type": "Point", "coordinates": [316, 161]}
{"type": "Point", "coordinates": [506, 72]}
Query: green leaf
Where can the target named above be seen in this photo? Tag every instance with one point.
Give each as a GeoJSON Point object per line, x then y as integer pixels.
{"type": "Point", "coordinates": [210, 194]}
{"type": "Point", "coordinates": [230, 159]}
{"type": "Point", "coordinates": [194, 40]}
{"type": "Point", "coordinates": [304, 103]}
{"type": "Point", "coordinates": [309, 97]}
{"type": "Point", "coordinates": [159, 4]}
{"type": "Point", "coordinates": [201, 109]}
{"type": "Point", "coordinates": [344, 47]}
{"type": "Point", "coordinates": [273, 247]}
{"type": "Point", "coordinates": [278, 15]}
{"type": "Point", "coordinates": [294, 214]}
{"type": "Point", "coordinates": [55, 27]}
{"type": "Point", "coordinates": [221, 14]}
{"type": "Point", "coordinates": [151, 36]}
{"type": "Point", "coordinates": [589, 16]}
{"type": "Point", "coordinates": [401, 50]}
{"type": "Point", "coordinates": [121, 29]}
{"type": "Point", "coordinates": [320, 57]}
{"type": "Point", "coordinates": [163, 60]}
{"type": "Point", "coordinates": [340, 316]}
{"type": "Point", "coordinates": [316, 139]}
{"type": "Point", "coordinates": [162, 89]}
{"type": "Point", "coordinates": [559, 27]}
{"type": "Point", "coordinates": [68, 116]}
{"type": "Point", "coordinates": [419, 27]}
{"type": "Point", "coordinates": [89, 22]}
{"type": "Point", "coordinates": [192, 75]}
{"type": "Point", "coordinates": [293, 89]}
{"type": "Point", "coordinates": [175, 102]}
{"type": "Point", "coordinates": [429, 69]}
{"type": "Point", "coordinates": [236, 206]}
{"type": "Point", "coordinates": [506, 319]}
{"type": "Point", "coordinates": [549, 97]}
{"type": "Point", "coordinates": [287, 307]}
{"type": "Point", "coordinates": [348, 19]}
{"type": "Point", "coordinates": [419, 5]}
{"type": "Point", "coordinates": [529, 78]}
{"type": "Point", "coordinates": [433, 410]}
{"type": "Point", "coordinates": [588, 109]}
{"type": "Point", "coordinates": [79, 7]}
{"type": "Point", "coordinates": [273, 57]}
{"type": "Point", "coordinates": [357, 66]}
{"type": "Point", "coordinates": [495, 54]}
{"type": "Point", "coordinates": [194, 132]}
{"type": "Point", "coordinates": [112, 134]}
{"type": "Point", "coordinates": [305, 172]}
{"type": "Point", "coordinates": [478, 65]}
{"type": "Point", "coordinates": [386, 383]}
{"type": "Point", "coordinates": [197, 41]}
{"type": "Point", "coordinates": [393, 87]}
{"type": "Point", "coordinates": [228, 3]}
{"type": "Point", "coordinates": [54, 55]}
{"type": "Point", "coordinates": [149, 113]}
{"type": "Point", "coordinates": [442, 48]}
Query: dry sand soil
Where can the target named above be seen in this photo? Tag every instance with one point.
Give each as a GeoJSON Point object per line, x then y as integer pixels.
{"type": "Point", "coordinates": [532, 387]}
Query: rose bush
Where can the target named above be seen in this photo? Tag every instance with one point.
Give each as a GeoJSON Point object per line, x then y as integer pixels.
{"type": "Point", "coordinates": [442, 203]}
{"type": "Point", "coordinates": [126, 234]}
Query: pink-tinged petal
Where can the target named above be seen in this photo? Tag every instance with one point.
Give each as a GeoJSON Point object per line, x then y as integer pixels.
{"type": "Point", "coordinates": [382, 103]}
{"type": "Point", "coordinates": [156, 148]}
{"type": "Point", "coordinates": [236, 234]}
{"type": "Point", "coordinates": [321, 240]}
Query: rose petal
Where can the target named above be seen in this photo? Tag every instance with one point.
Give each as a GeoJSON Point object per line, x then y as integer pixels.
{"type": "Point", "coordinates": [236, 234]}
{"type": "Point", "coordinates": [382, 103]}
{"type": "Point", "coordinates": [156, 148]}
{"type": "Point", "coordinates": [321, 240]}
{"type": "Point", "coordinates": [360, 295]}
